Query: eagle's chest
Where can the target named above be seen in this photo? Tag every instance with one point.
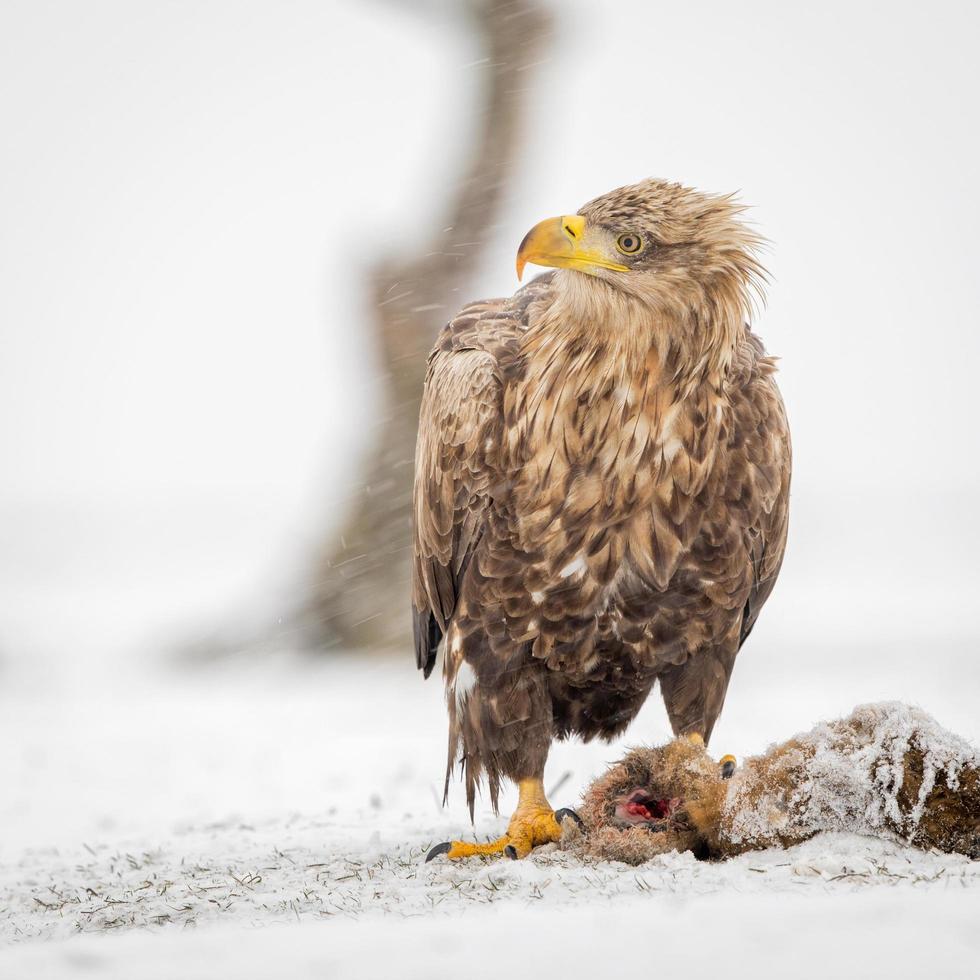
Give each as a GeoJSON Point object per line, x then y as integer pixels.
{"type": "Point", "coordinates": [583, 450]}
{"type": "Point", "coordinates": [604, 491]}
{"type": "Point", "coordinates": [607, 462]}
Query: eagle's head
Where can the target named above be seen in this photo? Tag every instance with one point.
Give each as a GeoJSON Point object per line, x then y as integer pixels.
{"type": "Point", "coordinates": [681, 253]}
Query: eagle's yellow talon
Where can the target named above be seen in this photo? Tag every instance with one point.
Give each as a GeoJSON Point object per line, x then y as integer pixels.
{"type": "Point", "coordinates": [727, 763]}
{"type": "Point", "coordinates": [532, 824]}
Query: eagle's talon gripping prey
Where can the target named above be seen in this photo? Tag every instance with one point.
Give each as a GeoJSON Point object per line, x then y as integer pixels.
{"type": "Point", "coordinates": [726, 764]}
{"type": "Point", "coordinates": [564, 812]}
{"type": "Point", "coordinates": [601, 490]}
{"type": "Point", "coordinates": [533, 823]}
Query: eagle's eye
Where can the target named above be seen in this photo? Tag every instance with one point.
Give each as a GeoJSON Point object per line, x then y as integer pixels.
{"type": "Point", "coordinates": [629, 244]}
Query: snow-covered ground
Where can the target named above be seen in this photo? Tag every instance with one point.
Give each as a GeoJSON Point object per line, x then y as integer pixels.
{"type": "Point", "coordinates": [282, 813]}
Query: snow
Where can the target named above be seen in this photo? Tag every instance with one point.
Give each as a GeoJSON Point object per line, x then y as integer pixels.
{"type": "Point", "coordinates": [517, 918]}
{"type": "Point", "coordinates": [858, 934]}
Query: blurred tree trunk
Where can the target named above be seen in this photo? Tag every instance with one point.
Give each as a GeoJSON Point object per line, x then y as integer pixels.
{"type": "Point", "coordinates": [361, 591]}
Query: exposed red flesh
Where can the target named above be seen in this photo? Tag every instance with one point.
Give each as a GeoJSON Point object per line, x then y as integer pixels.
{"type": "Point", "coordinates": [653, 810]}
{"type": "Point", "coordinates": [638, 808]}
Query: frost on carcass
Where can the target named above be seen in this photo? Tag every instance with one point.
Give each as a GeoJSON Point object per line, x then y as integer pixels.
{"type": "Point", "coordinates": [886, 770]}
{"type": "Point", "coordinates": [869, 773]}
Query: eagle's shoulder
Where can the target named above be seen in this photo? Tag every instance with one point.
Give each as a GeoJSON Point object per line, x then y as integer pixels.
{"type": "Point", "coordinates": [751, 363]}
{"type": "Point", "coordinates": [494, 326]}
{"type": "Point", "coordinates": [760, 425]}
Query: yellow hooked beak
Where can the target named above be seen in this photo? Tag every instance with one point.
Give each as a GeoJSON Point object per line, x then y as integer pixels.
{"type": "Point", "coordinates": [560, 242]}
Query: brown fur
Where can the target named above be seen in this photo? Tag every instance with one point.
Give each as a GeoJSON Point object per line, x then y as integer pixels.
{"type": "Point", "coordinates": [602, 486]}
{"type": "Point", "coordinates": [885, 770]}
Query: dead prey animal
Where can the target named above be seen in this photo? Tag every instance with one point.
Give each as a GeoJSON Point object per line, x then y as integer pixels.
{"type": "Point", "coordinates": [886, 770]}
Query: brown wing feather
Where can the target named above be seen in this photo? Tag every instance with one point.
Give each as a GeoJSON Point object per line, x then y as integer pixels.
{"type": "Point", "coordinates": [460, 415]}
{"type": "Point", "coordinates": [456, 455]}
{"type": "Point", "coordinates": [763, 476]}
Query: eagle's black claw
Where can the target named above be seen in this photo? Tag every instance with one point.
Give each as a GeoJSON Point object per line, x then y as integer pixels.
{"type": "Point", "coordinates": [727, 767]}
{"type": "Point", "coordinates": [566, 812]}
{"type": "Point", "coordinates": [511, 852]}
{"type": "Point", "coordinates": [442, 848]}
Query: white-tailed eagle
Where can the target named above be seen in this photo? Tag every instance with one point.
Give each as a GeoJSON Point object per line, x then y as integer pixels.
{"type": "Point", "coordinates": [601, 489]}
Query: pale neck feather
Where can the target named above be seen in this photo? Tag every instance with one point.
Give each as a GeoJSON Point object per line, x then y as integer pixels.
{"type": "Point", "coordinates": [610, 335]}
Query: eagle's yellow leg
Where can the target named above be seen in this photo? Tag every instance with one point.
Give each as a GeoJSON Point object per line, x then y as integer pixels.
{"type": "Point", "coordinates": [533, 823]}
